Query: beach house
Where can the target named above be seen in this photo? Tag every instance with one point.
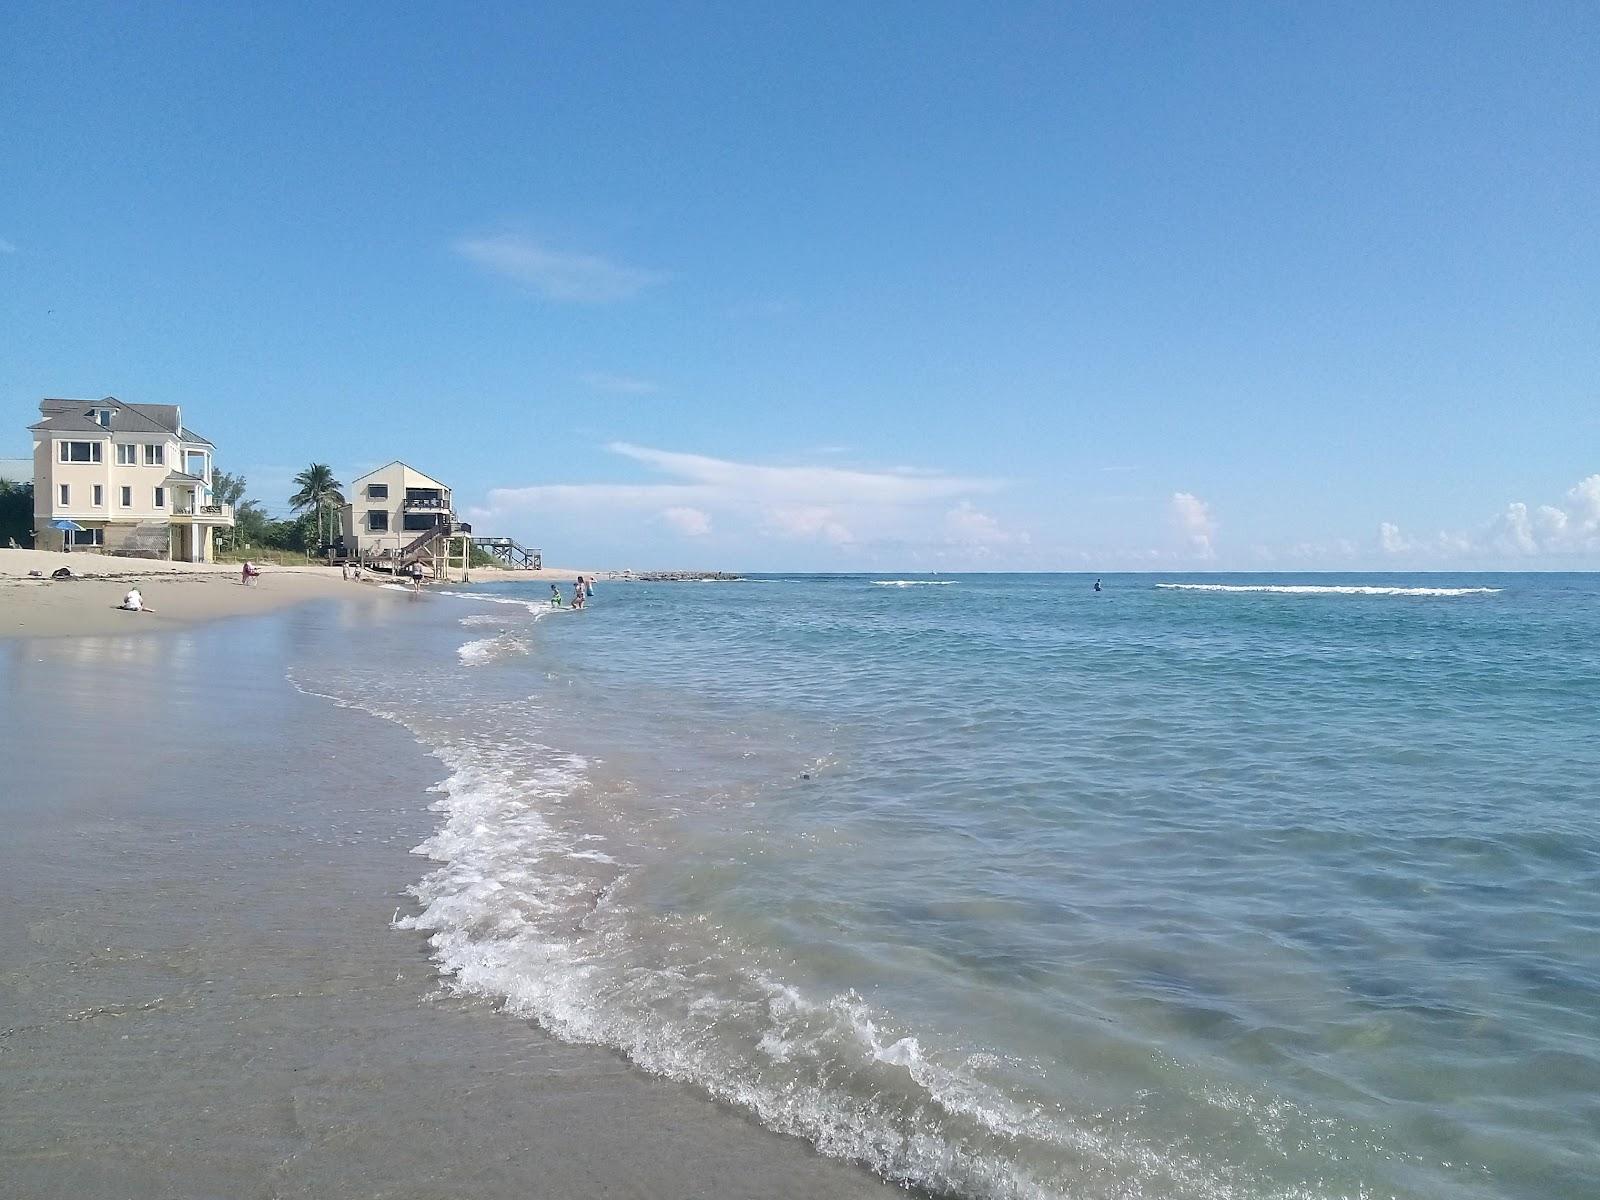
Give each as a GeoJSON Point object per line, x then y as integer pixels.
{"type": "Point", "coordinates": [124, 479]}
{"type": "Point", "coordinates": [391, 509]}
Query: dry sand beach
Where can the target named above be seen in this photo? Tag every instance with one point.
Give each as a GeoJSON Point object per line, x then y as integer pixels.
{"type": "Point", "coordinates": [177, 593]}
{"type": "Point", "coordinates": [201, 992]}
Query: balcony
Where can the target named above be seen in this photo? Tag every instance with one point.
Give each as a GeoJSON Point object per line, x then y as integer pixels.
{"type": "Point", "coordinates": [438, 504]}
{"type": "Point", "coordinates": [187, 512]}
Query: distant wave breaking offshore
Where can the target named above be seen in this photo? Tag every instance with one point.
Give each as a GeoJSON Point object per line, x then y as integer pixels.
{"type": "Point", "coordinates": [1320, 589]}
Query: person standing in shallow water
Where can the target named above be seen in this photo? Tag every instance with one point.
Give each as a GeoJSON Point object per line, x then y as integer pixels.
{"type": "Point", "coordinates": [1097, 585]}
{"type": "Point", "coordinates": [555, 596]}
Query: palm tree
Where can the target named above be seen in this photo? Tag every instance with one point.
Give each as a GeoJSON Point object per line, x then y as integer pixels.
{"type": "Point", "coordinates": [318, 489]}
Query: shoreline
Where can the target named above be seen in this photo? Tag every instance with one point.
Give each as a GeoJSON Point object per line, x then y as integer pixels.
{"type": "Point", "coordinates": [204, 991]}
{"type": "Point", "coordinates": [179, 594]}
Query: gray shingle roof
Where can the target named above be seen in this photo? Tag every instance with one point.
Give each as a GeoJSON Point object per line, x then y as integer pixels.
{"type": "Point", "coordinates": [77, 416]}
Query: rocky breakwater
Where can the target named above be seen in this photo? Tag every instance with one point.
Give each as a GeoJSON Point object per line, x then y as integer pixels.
{"type": "Point", "coordinates": [677, 576]}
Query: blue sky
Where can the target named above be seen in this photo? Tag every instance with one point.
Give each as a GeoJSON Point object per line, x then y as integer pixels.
{"type": "Point", "coordinates": [834, 287]}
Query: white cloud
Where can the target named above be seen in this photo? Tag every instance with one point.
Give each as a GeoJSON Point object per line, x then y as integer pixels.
{"type": "Point", "coordinates": [807, 484]}
{"type": "Point", "coordinates": [811, 522]}
{"type": "Point", "coordinates": [828, 506]}
{"type": "Point", "coordinates": [626, 385]}
{"type": "Point", "coordinates": [691, 522]}
{"type": "Point", "coordinates": [1563, 530]}
{"type": "Point", "coordinates": [966, 526]}
{"type": "Point", "coordinates": [556, 274]}
{"type": "Point", "coordinates": [1192, 516]}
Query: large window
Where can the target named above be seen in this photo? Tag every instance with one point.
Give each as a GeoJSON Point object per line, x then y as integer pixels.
{"type": "Point", "coordinates": [377, 491]}
{"type": "Point", "coordinates": [155, 454]}
{"type": "Point", "coordinates": [88, 452]}
{"type": "Point", "coordinates": [127, 454]}
{"type": "Point", "coordinates": [161, 497]}
{"type": "Point", "coordinates": [377, 521]}
{"type": "Point", "coordinates": [87, 537]}
{"type": "Point", "coordinates": [417, 522]}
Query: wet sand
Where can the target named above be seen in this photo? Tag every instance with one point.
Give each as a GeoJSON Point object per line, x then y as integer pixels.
{"type": "Point", "coordinates": [201, 992]}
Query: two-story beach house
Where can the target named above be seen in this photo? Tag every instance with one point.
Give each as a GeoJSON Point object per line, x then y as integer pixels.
{"type": "Point", "coordinates": [390, 508]}
{"type": "Point", "coordinates": [123, 478]}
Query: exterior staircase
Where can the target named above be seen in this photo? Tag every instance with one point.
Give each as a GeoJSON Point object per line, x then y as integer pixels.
{"type": "Point", "coordinates": [509, 553]}
{"type": "Point", "coordinates": [439, 550]}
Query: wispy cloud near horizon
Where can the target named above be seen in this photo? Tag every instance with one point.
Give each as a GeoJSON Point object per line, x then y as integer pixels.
{"type": "Point", "coordinates": [560, 275]}
{"type": "Point", "coordinates": [623, 385]}
{"type": "Point", "coordinates": [843, 508]}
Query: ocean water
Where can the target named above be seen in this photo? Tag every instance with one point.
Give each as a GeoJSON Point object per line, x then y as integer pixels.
{"type": "Point", "coordinates": [1216, 887]}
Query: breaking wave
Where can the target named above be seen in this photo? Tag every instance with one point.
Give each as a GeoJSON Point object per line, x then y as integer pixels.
{"type": "Point", "coordinates": [1329, 589]}
{"type": "Point", "coordinates": [524, 910]}
{"type": "Point", "coordinates": [535, 608]}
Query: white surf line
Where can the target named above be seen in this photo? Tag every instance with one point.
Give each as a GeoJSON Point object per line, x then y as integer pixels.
{"type": "Point", "coordinates": [1320, 589]}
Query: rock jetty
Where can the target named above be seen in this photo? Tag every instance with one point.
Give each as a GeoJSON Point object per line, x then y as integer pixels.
{"type": "Point", "coordinates": [677, 576]}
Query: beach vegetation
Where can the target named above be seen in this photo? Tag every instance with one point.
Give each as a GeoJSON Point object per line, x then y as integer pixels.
{"type": "Point", "coordinates": [16, 513]}
{"type": "Point", "coordinates": [319, 493]}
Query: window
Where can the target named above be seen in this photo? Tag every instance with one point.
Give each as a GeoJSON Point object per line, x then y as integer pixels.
{"type": "Point", "coordinates": [155, 455]}
{"type": "Point", "coordinates": [377, 520]}
{"type": "Point", "coordinates": [103, 415]}
{"type": "Point", "coordinates": [99, 496]}
{"type": "Point", "coordinates": [377, 491]}
{"type": "Point", "coordinates": [66, 495]}
{"type": "Point", "coordinates": [127, 497]}
{"type": "Point", "coordinates": [420, 521]}
{"type": "Point", "coordinates": [80, 451]}
{"type": "Point", "coordinates": [87, 537]}
{"type": "Point", "coordinates": [161, 497]}
{"type": "Point", "coordinates": [127, 454]}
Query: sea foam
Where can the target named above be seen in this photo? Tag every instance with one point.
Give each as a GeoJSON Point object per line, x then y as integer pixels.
{"type": "Point", "coordinates": [1329, 589]}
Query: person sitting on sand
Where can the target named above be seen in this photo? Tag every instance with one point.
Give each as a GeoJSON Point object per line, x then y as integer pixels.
{"type": "Point", "coordinates": [134, 602]}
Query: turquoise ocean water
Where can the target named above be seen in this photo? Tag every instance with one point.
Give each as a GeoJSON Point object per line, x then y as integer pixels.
{"type": "Point", "coordinates": [1254, 887]}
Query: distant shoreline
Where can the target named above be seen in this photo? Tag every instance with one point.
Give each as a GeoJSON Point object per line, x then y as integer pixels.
{"type": "Point", "coordinates": [34, 605]}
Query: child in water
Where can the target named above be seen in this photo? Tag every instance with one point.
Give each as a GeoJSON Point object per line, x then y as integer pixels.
{"type": "Point", "coordinates": [555, 596]}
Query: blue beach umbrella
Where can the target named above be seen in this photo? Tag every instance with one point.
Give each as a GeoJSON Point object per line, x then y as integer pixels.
{"type": "Point", "coordinates": [66, 527]}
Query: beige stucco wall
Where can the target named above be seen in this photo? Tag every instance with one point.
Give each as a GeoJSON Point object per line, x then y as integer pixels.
{"type": "Point", "coordinates": [139, 525]}
{"type": "Point", "coordinates": [353, 517]}
{"type": "Point", "coordinates": [49, 471]}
